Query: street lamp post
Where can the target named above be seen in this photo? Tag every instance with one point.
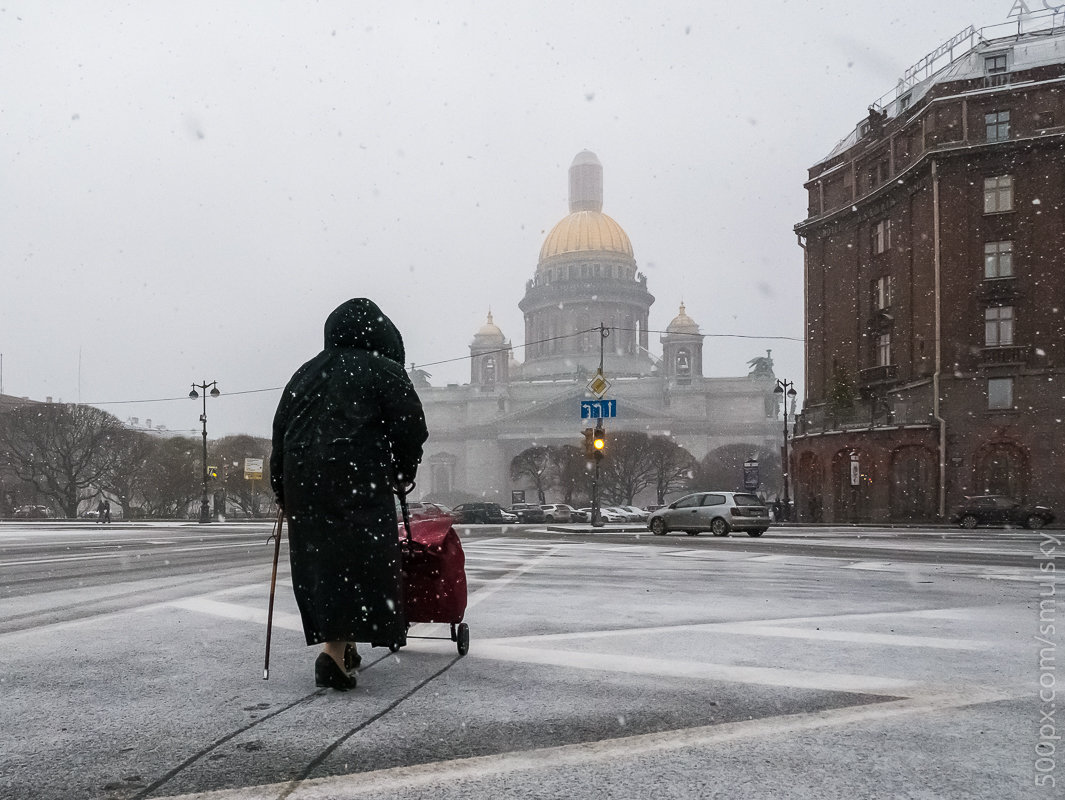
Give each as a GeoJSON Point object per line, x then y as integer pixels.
{"type": "Point", "coordinates": [205, 504]}
{"type": "Point", "coordinates": [786, 390]}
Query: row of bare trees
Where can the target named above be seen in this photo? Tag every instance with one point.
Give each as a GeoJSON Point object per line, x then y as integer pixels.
{"type": "Point", "coordinates": [635, 463]}
{"type": "Point", "coordinates": [66, 455]}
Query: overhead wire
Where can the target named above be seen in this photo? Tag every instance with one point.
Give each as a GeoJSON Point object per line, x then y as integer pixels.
{"type": "Point", "coordinates": [507, 349]}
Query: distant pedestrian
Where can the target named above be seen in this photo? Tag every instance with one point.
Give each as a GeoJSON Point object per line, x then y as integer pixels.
{"type": "Point", "coordinates": [778, 510]}
{"type": "Point", "coordinates": [348, 430]}
{"type": "Point", "coordinates": [105, 511]}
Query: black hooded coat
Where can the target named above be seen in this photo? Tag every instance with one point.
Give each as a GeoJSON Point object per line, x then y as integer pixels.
{"type": "Point", "coordinates": [348, 424]}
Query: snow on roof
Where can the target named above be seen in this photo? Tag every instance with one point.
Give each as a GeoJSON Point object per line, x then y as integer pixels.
{"type": "Point", "coordinates": [1041, 45]}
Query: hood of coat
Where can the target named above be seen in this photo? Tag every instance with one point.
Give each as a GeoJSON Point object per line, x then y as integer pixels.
{"type": "Point", "coordinates": [361, 324]}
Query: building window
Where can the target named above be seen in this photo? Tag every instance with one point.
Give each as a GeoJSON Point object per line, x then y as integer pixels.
{"type": "Point", "coordinates": [998, 326]}
{"type": "Point", "coordinates": [998, 259]}
{"type": "Point", "coordinates": [883, 288]}
{"type": "Point", "coordinates": [1044, 120]}
{"type": "Point", "coordinates": [998, 194]}
{"type": "Point", "coordinates": [995, 69]}
{"type": "Point", "coordinates": [997, 125]}
{"type": "Point", "coordinates": [904, 102]}
{"type": "Point", "coordinates": [999, 393]}
{"type": "Point", "coordinates": [882, 236]}
{"type": "Point", "coordinates": [883, 350]}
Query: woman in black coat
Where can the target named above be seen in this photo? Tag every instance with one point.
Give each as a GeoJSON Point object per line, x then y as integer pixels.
{"type": "Point", "coordinates": [349, 428]}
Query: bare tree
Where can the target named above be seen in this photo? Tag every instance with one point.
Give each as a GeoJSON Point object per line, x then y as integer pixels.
{"type": "Point", "coordinates": [133, 451]}
{"type": "Point", "coordinates": [722, 469]}
{"type": "Point", "coordinates": [573, 476]}
{"type": "Point", "coordinates": [64, 451]}
{"type": "Point", "coordinates": [171, 477]}
{"type": "Point", "coordinates": [534, 464]}
{"type": "Point", "coordinates": [250, 496]}
{"type": "Point", "coordinates": [671, 466]}
{"type": "Point", "coordinates": [626, 469]}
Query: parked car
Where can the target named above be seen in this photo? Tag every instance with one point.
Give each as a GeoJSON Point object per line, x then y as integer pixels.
{"type": "Point", "coordinates": [717, 512]}
{"type": "Point", "coordinates": [481, 513]}
{"type": "Point", "coordinates": [579, 515]}
{"type": "Point", "coordinates": [638, 514]}
{"type": "Point", "coordinates": [606, 514]}
{"type": "Point", "coordinates": [624, 513]}
{"type": "Point", "coordinates": [558, 512]}
{"type": "Point", "coordinates": [998, 509]}
{"type": "Point", "coordinates": [528, 512]}
{"type": "Point", "coordinates": [423, 510]}
{"type": "Point", "coordinates": [33, 512]}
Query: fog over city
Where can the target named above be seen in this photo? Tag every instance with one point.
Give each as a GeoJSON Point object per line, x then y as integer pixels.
{"type": "Point", "coordinates": [188, 190]}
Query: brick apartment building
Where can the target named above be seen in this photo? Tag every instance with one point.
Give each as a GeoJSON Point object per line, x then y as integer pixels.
{"type": "Point", "coordinates": [935, 289]}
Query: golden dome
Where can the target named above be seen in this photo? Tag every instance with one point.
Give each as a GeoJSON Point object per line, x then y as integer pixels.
{"type": "Point", "coordinates": [586, 231]}
{"type": "Point", "coordinates": [682, 323]}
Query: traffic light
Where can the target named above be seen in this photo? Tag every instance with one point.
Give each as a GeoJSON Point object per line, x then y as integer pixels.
{"type": "Point", "coordinates": [589, 449]}
{"type": "Point", "coordinates": [598, 442]}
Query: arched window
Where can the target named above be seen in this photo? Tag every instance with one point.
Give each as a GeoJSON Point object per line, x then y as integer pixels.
{"type": "Point", "coordinates": [683, 363]}
{"type": "Point", "coordinates": [488, 370]}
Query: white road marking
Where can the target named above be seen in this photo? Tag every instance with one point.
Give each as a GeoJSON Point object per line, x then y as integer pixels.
{"type": "Point", "coordinates": [494, 586]}
{"type": "Point", "coordinates": [216, 608]}
{"type": "Point", "coordinates": [674, 668]}
{"type": "Point", "coordinates": [852, 637]}
{"type": "Point", "coordinates": [387, 782]}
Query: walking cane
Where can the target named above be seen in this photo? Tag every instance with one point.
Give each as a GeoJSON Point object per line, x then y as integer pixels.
{"type": "Point", "coordinates": [273, 583]}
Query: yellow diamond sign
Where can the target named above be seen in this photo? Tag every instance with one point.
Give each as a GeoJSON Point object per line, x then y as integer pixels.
{"type": "Point", "coordinates": [598, 385]}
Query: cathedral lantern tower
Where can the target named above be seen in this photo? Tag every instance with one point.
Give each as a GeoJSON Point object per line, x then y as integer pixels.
{"type": "Point", "coordinates": [586, 275]}
{"type": "Point", "coordinates": [682, 349]}
{"type": "Point", "coordinates": [489, 356]}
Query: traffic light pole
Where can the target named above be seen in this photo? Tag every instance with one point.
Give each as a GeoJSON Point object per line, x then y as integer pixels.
{"type": "Point", "coordinates": [598, 436]}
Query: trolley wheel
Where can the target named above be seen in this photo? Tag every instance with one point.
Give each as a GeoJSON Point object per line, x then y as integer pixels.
{"type": "Point", "coordinates": [463, 638]}
{"type": "Point", "coordinates": [393, 647]}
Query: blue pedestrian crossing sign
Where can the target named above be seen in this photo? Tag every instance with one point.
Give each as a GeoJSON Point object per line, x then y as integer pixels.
{"type": "Point", "coordinates": [598, 409]}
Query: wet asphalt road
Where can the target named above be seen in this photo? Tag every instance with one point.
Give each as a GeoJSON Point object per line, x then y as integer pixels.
{"type": "Point", "coordinates": [614, 664]}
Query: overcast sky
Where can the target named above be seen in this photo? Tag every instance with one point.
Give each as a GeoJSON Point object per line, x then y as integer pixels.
{"type": "Point", "coordinates": [188, 189]}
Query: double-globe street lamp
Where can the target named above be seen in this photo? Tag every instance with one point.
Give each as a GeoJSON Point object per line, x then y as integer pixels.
{"type": "Point", "coordinates": [786, 390]}
{"type": "Point", "coordinates": [205, 504]}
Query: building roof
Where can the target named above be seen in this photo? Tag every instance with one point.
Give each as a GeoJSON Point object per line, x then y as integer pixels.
{"type": "Point", "coordinates": [682, 323]}
{"type": "Point", "coordinates": [1031, 44]}
{"type": "Point", "coordinates": [489, 333]}
{"type": "Point", "coordinates": [586, 231]}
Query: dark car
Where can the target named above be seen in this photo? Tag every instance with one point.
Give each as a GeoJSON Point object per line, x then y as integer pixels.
{"type": "Point", "coordinates": [998, 509]}
{"type": "Point", "coordinates": [479, 513]}
{"type": "Point", "coordinates": [527, 512]}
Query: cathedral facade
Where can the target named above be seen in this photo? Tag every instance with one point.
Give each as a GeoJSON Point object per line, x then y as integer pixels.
{"type": "Point", "coordinates": [586, 306]}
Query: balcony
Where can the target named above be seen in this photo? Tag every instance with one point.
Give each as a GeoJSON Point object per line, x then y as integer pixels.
{"type": "Point", "coordinates": [1004, 355]}
{"type": "Point", "coordinates": [885, 373]}
{"type": "Point", "coordinates": [998, 289]}
{"type": "Point", "coordinates": [866, 415]}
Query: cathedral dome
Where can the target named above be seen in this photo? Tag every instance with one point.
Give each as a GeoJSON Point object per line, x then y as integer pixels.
{"type": "Point", "coordinates": [489, 334]}
{"type": "Point", "coordinates": [682, 323]}
{"type": "Point", "coordinates": [586, 231]}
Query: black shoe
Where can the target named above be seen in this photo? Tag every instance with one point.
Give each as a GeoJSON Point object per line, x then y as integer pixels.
{"type": "Point", "coordinates": [352, 659]}
{"type": "Point", "coordinates": [329, 675]}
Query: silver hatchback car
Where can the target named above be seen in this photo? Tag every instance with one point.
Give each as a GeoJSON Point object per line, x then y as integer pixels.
{"type": "Point", "coordinates": [717, 512]}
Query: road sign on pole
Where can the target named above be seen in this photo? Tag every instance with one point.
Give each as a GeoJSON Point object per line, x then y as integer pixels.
{"type": "Point", "coordinates": [598, 409]}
